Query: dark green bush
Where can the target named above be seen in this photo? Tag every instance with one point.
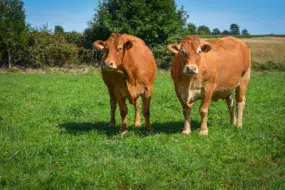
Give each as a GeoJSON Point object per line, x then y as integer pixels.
{"type": "Point", "coordinates": [48, 49]}
{"type": "Point", "coordinates": [268, 66]}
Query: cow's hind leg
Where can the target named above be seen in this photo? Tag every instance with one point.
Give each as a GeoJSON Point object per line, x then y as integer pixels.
{"type": "Point", "coordinates": [124, 113]}
{"type": "Point", "coordinates": [113, 106]}
{"type": "Point", "coordinates": [240, 96]}
{"type": "Point", "coordinates": [137, 112]}
{"type": "Point", "coordinates": [230, 103]}
{"type": "Point", "coordinates": [146, 97]}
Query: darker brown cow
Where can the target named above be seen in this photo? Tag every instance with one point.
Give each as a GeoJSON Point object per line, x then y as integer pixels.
{"type": "Point", "coordinates": [210, 70]}
{"type": "Point", "coordinates": [128, 70]}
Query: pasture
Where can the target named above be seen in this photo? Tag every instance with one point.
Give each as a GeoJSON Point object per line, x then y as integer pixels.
{"type": "Point", "coordinates": [267, 53]}
{"type": "Point", "coordinates": [53, 135]}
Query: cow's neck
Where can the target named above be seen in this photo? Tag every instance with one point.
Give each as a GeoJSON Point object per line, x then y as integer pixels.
{"type": "Point", "coordinates": [130, 79]}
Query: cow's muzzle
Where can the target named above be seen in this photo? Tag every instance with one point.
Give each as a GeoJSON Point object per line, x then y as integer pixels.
{"type": "Point", "coordinates": [190, 69]}
{"type": "Point", "coordinates": [109, 65]}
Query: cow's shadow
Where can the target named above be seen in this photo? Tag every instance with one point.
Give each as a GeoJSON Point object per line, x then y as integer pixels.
{"type": "Point", "coordinates": [102, 127]}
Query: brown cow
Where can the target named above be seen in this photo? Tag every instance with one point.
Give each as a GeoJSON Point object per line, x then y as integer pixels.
{"type": "Point", "coordinates": [128, 70]}
{"type": "Point", "coordinates": [210, 70]}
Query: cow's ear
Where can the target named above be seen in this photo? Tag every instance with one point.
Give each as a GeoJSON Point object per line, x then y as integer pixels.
{"type": "Point", "coordinates": [174, 48]}
{"type": "Point", "coordinates": [206, 48]}
{"type": "Point", "coordinates": [99, 45]}
{"type": "Point", "coordinates": [128, 45]}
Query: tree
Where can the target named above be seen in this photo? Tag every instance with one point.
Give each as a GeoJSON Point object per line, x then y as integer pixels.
{"type": "Point", "coordinates": [244, 32]}
{"type": "Point", "coordinates": [234, 29]}
{"type": "Point", "coordinates": [58, 29]}
{"type": "Point", "coordinates": [74, 38]}
{"type": "Point", "coordinates": [204, 30]}
{"type": "Point", "coordinates": [191, 28]}
{"type": "Point", "coordinates": [153, 21]}
{"type": "Point", "coordinates": [225, 32]}
{"type": "Point", "coordinates": [12, 27]}
{"type": "Point", "coordinates": [216, 31]}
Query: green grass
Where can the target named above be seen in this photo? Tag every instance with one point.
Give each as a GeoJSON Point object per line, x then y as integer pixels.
{"type": "Point", "coordinates": [53, 135]}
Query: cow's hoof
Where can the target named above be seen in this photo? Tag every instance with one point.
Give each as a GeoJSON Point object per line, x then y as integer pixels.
{"type": "Point", "coordinates": [137, 123]}
{"type": "Point", "coordinates": [186, 132]}
{"type": "Point", "coordinates": [233, 122]}
{"type": "Point", "coordinates": [150, 131]}
{"type": "Point", "coordinates": [111, 125]}
{"type": "Point", "coordinates": [239, 124]}
{"type": "Point", "coordinates": [204, 132]}
{"type": "Point", "coordinates": [124, 132]}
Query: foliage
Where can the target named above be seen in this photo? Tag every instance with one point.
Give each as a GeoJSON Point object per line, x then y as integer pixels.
{"type": "Point", "coordinates": [75, 38]}
{"type": "Point", "coordinates": [225, 32]}
{"type": "Point", "coordinates": [153, 21]}
{"type": "Point", "coordinates": [216, 31]}
{"type": "Point", "coordinates": [54, 136]}
{"type": "Point", "coordinates": [58, 29]}
{"type": "Point", "coordinates": [192, 29]}
{"type": "Point", "coordinates": [203, 30]}
{"type": "Point", "coordinates": [46, 49]}
{"type": "Point", "coordinates": [234, 29]}
{"type": "Point", "coordinates": [12, 29]}
{"type": "Point", "coordinates": [244, 32]}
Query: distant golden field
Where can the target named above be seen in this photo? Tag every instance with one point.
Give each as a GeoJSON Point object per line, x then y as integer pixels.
{"type": "Point", "coordinates": [267, 52]}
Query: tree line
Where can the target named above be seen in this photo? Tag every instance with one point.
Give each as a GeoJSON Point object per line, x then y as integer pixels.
{"type": "Point", "coordinates": [157, 22]}
{"type": "Point", "coordinates": [205, 30]}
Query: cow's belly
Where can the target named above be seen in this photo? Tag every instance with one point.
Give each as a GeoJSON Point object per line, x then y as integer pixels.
{"type": "Point", "coordinates": [222, 92]}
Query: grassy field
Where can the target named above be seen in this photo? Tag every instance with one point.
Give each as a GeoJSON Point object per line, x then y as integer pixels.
{"type": "Point", "coordinates": [53, 135]}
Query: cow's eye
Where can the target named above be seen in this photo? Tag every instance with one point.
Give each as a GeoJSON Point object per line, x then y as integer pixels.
{"type": "Point", "coordinates": [120, 48]}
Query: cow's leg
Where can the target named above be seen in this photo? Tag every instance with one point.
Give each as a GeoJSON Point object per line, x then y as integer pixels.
{"type": "Point", "coordinates": [113, 105]}
{"type": "Point", "coordinates": [240, 96]}
{"type": "Point", "coordinates": [137, 112]}
{"type": "Point", "coordinates": [187, 125]}
{"type": "Point", "coordinates": [124, 113]}
{"type": "Point", "coordinates": [230, 103]}
{"type": "Point", "coordinates": [186, 114]}
{"type": "Point", "coordinates": [146, 97]}
{"type": "Point", "coordinates": [204, 111]}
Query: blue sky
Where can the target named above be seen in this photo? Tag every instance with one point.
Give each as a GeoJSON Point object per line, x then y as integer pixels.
{"type": "Point", "coordinates": [258, 16]}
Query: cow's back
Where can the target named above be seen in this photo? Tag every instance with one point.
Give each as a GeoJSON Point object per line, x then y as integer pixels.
{"type": "Point", "coordinates": [227, 61]}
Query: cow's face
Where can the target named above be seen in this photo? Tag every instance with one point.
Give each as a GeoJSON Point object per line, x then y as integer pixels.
{"type": "Point", "coordinates": [190, 50]}
{"type": "Point", "coordinates": [113, 50]}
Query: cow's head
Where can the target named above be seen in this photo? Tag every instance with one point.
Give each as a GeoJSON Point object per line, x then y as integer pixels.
{"type": "Point", "coordinates": [113, 50]}
{"type": "Point", "coordinates": [190, 50]}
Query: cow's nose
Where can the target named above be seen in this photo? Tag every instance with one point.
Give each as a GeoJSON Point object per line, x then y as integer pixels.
{"type": "Point", "coordinates": [110, 64]}
{"type": "Point", "coordinates": [191, 69]}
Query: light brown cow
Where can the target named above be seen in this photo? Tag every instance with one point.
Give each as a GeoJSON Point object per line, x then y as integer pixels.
{"type": "Point", "coordinates": [128, 70]}
{"type": "Point", "coordinates": [210, 70]}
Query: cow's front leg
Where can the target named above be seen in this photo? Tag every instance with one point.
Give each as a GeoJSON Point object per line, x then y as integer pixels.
{"type": "Point", "coordinates": [204, 112]}
{"type": "Point", "coordinates": [124, 113]}
{"type": "Point", "coordinates": [113, 106]}
{"type": "Point", "coordinates": [137, 112]}
{"type": "Point", "coordinates": [186, 113]}
{"type": "Point", "coordinates": [187, 125]}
